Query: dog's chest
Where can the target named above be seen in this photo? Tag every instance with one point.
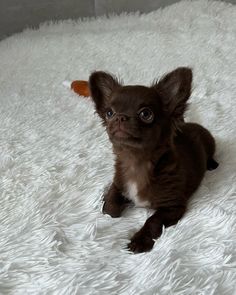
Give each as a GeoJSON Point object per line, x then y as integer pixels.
{"type": "Point", "coordinates": [136, 182]}
{"type": "Point", "coordinates": [132, 194]}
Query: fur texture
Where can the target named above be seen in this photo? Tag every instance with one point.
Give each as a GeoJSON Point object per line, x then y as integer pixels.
{"type": "Point", "coordinates": [55, 157]}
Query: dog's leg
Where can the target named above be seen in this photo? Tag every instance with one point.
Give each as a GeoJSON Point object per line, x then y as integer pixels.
{"type": "Point", "coordinates": [143, 240]}
{"type": "Point", "coordinates": [114, 202]}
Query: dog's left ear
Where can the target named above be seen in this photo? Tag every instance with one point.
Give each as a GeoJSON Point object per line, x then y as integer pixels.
{"type": "Point", "coordinates": [174, 90]}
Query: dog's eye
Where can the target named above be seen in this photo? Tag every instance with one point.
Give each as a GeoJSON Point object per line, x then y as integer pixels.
{"type": "Point", "coordinates": [146, 115]}
{"type": "Point", "coordinates": [109, 114]}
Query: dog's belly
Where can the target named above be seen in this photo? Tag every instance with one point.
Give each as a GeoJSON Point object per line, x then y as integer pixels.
{"type": "Point", "coordinates": [131, 193]}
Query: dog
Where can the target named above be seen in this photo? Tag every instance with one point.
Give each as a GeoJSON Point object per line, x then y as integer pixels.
{"type": "Point", "coordinates": [160, 159]}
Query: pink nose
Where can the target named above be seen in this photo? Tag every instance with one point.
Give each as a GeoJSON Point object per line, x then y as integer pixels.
{"type": "Point", "coordinates": [121, 118]}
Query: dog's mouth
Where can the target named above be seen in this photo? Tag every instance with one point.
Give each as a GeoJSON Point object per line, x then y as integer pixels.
{"type": "Point", "coordinates": [120, 134]}
{"type": "Point", "coordinates": [123, 137]}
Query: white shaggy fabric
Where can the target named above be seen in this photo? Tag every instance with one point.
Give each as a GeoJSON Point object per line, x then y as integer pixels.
{"type": "Point", "coordinates": [55, 157]}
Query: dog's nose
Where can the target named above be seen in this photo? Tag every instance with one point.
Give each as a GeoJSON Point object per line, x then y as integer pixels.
{"type": "Point", "coordinates": [121, 118]}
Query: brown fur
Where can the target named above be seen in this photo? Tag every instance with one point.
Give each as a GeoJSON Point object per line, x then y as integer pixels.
{"type": "Point", "coordinates": [163, 155]}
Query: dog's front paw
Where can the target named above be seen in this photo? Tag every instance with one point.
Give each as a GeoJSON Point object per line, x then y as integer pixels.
{"type": "Point", "coordinates": [140, 243]}
{"type": "Point", "coordinates": [112, 209]}
{"type": "Point", "coordinates": [212, 164]}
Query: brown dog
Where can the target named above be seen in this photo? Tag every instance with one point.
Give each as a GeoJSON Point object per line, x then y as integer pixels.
{"type": "Point", "coordinates": [160, 159]}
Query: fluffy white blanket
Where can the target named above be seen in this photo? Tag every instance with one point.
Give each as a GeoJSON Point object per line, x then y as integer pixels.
{"type": "Point", "coordinates": [55, 158]}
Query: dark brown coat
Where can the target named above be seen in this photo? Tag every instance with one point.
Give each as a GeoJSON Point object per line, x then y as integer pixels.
{"type": "Point", "coordinates": [160, 159]}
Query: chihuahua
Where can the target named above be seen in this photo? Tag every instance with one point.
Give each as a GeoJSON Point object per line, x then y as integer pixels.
{"type": "Point", "coordinates": [160, 159]}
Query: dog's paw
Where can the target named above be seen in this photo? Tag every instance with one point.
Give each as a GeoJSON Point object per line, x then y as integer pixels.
{"type": "Point", "coordinates": [112, 209]}
{"type": "Point", "coordinates": [140, 243]}
{"type": "Point", "coordinates": [212, 164]}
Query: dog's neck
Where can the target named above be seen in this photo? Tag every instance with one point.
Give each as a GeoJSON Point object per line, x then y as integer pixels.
{"type": "Point", "coordinates": [148, 155]}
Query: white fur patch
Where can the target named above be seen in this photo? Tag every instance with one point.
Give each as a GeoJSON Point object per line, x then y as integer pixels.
{"type": "Point", "coordinates": [132, 194]}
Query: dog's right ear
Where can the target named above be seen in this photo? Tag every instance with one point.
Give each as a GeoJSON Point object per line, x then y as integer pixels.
{"type": "Point", "coordinates": [101, 85]}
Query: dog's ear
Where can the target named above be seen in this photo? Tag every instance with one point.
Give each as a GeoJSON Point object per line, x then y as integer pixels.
{"type": "Point", "coordinates": [174, 90]}
{"type": "Point", "coordinates": [101, 85]}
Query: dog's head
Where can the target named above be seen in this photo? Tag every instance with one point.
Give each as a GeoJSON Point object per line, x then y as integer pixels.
{"type": "Point", "coordinates": [140, 116]}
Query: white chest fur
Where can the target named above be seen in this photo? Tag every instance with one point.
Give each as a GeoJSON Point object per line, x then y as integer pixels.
{"type": "Point", "coordinates": [132, 194]}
